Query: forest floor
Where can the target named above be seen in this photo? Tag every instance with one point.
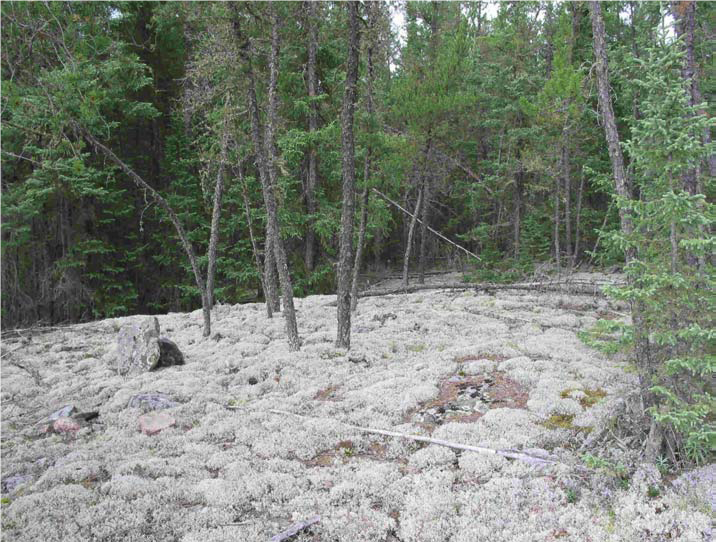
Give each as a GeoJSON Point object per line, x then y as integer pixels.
{"type": "Point", "coordinates": [501, 370]}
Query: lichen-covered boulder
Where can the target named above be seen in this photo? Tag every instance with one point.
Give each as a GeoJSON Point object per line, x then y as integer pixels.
{"type": "Point", "coordinates": [138, 347]}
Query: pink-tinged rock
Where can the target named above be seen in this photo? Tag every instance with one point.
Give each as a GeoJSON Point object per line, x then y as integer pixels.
{"type": "Point", "coordinates": [65, 425]}
{"type": "Point", "coordinates": [152, 423]}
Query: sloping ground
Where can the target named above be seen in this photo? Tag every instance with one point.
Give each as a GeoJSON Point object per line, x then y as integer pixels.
{"type": "Point", "coordinates": [502, 371]}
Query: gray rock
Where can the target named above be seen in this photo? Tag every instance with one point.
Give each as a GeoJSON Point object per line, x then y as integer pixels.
{"type": "Point", "coordinates": [65, 412]}
{"type": "Point", "coordinates": [169, 353]}
{"type": "Point", "coordinates": [138, 346]}
{"type": "Point", "coordinates": [10, 483]}
{"type": "Point", "coordinates": [151, 401]}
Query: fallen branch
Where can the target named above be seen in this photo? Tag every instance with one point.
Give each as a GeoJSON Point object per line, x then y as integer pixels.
{"type": "Point", "coordinates": [440, 235]}
{"type": "Point", "coordinates": [509, 454]}
{"type": "Point", "coordinates": [585, 288]}
{"type": "Point", "coordinates": [294, 529]}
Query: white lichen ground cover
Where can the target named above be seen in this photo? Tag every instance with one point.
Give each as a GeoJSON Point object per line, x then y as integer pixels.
{"type": "Point", "coordinates": [228, 474]}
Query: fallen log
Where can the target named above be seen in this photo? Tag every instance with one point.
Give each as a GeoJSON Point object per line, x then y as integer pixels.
{"type": "Point", "coordinates": [584, 288]}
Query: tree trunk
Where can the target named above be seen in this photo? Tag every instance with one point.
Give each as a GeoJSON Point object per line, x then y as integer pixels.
{"type": "Point", "coordinates": [575, 254]}
{"type": "Point", "coordinates": [555, 232]}
{"type": "Point", "coordinates": [567, 199]}
{"type": "Point", "coordinates": [361, 239]}
{"type": "Point", "coordinates": [610, 124]}
{"type": "Point", "coordinates": [366, 167]}
{"type": "Point", "coordinates": [517, 226]}
{"type": "Point", "coordinates": [191, 255]}
{"type": "Point", "coordinates": [312, 181]}
{"type": "Point", "coordinates": [641, 333]}
{"type": "Point", "coordinates": [244, 49]}
{"type": "Point", "coordinates": [289, 312]}
{"type": "Point", "coordinates": [216, 212]}
{"type": "Point", "coordinates": [345, 259]}
{"type": "Point", "coordinates": [252, 237]}
{"type": "Point", "coordinates": [685, 15]}
{"type": "Point", "coordinates": [425, 212]}
{"type": "Point", "coordinates": [409, 242]}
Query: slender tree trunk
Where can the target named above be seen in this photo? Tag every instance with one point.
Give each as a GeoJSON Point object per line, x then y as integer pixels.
{"type": "Point", "coordinates": [361, 240]}
{"type": "Point", "coordinates": [425, 212]}
{"type": "Point", "coordinates": [312, 181]}
{"type": "Point", "coordinates": [191, 255]}
{"type": "Point", "coordinates": [610, 124]}
{"type": "Point", "coordinates": [411, 231]}
{"type": "Point", "coordinates": [372, 15]}
{"type": "Point", "coordinates": [641, 340]}
{"type": "Point", "coordinates": [252, 237]}
{"type": "Point", "coordinates": [555, 233]}
{"type": "Point", "coordinates": [685, 15]}
{"type": "Point", "coordinates": [216, 212]}
{"type": "Point", "coordinates": [517, 226]}
{"type": "Point", "coordinates": [244, 49]}
{"type": "Point", "coordinates": [567, 200]}
{"type": "Point", "coordinates": [345, 259]}
{"type": "Point", "coordinates": [289, 312]}
{"type": "Point", "coordinates": [575, 254]}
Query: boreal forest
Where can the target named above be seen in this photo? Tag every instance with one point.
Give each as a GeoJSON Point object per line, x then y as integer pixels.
{"type": "Point", "coordinates": [170, 157]}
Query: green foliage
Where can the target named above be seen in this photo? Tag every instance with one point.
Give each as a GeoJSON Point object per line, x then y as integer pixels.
{"type": "Point", "coordinates": [672, 279]}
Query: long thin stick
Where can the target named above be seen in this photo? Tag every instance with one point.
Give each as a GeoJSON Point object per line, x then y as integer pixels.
{"type": "Point", "coordinates": [295, 529]}
{"type": "Point", "coordinates": [386, 198]}
{"type": "Point", "coordinates": [510, 454]}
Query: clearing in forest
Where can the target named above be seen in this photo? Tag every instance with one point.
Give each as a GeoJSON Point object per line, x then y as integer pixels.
{"type": "Point", "coordinates": [502, 370]}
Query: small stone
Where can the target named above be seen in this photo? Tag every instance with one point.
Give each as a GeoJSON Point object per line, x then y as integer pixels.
{"type": "Point", "coordinates": [65, 412]}
{"type": "Point", "coordinates": [65, 425]}
{"type": "Point", "coordinates": [151, 401]}
{"type": "Point", "coordinates": [217, 337]}
{"type": "Point", "coordinates": [154, 422]}
{"type": "Point", "coordinates": [253, 381]}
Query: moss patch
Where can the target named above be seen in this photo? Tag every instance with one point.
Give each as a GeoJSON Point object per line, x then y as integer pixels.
{"type": "Point", "coordinates": [559, 421]}
{"type": "Point", "coordinates": [591, 396]}
{"type": "Point", "coordinates": [564, 421]}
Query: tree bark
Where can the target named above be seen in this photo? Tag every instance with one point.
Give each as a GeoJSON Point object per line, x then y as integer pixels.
{"type": "Point", "coordinates": [567, 198]}
{"type": "Point", "coordinates": [411, 231]}
{"type": "Point", "coordinates": [425, 212]}
{"type": "Point", "coordinates": [641, 340]}
{"type": "Point", "coordinates": [610, 124]}
{"type": "Point", "coordinates": [367, 165]}
{"type": "Point", "coordinates": [245, 53]}
{"type": "Point", "coordinates": [252, 237]}
{"type": "Point", "coordinates": [517, 225]}
{"type": "Point", "coordinates": [289, 312]}
{"type": "Point", "coordinates": [345, 260]}
{"type": "Point", "coordinates": [578, 217]}
{"type": "Point", "coordinates": [312, 82]}
{"type": "Point", "coordinates": [685, 14]}
{"type": "Point", "coordinates": [361, 239]}
{"type": "Point", "coordinates": [216, 212]}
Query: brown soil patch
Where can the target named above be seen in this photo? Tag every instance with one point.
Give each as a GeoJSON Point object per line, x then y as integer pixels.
{"type": "Point", "coordinates": [475, 357]}
{"type": "Point", "coordinates": [327, 394]}
{"type": "Point", "coordinates": [502, 391]}
{"type": "Point", "coordinates": [346, 450]}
